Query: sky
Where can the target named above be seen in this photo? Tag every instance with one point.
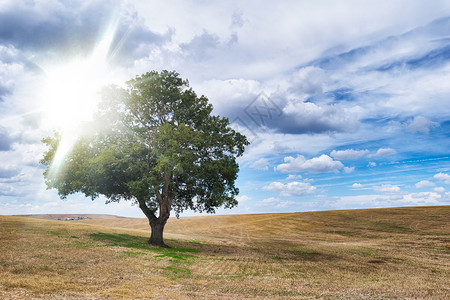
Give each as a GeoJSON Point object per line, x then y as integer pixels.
{"type": "Point", "coordinates": [346, 103]}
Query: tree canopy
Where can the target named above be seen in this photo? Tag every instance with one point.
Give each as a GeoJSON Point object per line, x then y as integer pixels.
{"type": "Point", "coordinates": [155, 143]}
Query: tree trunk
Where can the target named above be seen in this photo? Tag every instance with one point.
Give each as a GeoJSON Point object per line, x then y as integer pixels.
{"type": "Point", "coordinates": [156, 238]}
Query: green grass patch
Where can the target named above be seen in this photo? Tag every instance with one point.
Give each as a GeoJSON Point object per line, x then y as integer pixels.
{"type": "Point", "coordinates": [177, 257]}
{"type": "Point", "coordinates": [131, 253]}
{"type": "Point", "coordinates": [175, 272]}
{"type": "Point", "coordinates": [196, 242]}
{"type": "Point", "coordinates": [183, 249]}
{"type": "Point", "coordinates": [121, 239]}
{"type": "Point", "coordinates": [140, 243]}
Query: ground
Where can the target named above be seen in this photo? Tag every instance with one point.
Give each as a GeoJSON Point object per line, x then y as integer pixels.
{"type": "Point", "coordinates": [395, 253]}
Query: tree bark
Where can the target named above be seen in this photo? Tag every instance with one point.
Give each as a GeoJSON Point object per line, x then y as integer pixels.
{"type": "Point", "coordinates": [156, 237]}
{"type": "Point", "coordinates": [156, 224]}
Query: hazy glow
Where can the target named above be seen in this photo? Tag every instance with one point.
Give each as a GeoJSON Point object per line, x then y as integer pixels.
{"type": "Point", "coordinates": [65, 146]}
{"type": "Point", "coordinates": [71, 94]}
{"type": "Point", "coordinates": [71, 91]}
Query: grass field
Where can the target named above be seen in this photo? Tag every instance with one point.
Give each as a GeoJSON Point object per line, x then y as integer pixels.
{"type": "Point", "coordinates": [396, 253]}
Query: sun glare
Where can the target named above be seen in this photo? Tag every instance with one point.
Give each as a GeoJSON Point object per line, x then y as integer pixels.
{"type": "Point", "coordinates": [71, 93]}
{"type": "Point", "coordinates": [71, 89]}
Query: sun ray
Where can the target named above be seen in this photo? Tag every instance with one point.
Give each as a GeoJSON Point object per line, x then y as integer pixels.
{"type": "Point", "coordinates": [71, 93]}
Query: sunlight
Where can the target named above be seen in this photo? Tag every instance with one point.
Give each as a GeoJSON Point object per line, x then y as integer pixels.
{"type": "Point", "coordinates": [71, 93]}
{"type": "Point", "coordinates": [71, 89]}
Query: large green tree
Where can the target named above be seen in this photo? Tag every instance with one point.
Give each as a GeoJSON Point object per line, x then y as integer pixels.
{"type": "Point", "coordinates": [155, 143]}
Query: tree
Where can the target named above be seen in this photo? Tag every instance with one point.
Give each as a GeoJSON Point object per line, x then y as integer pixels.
{"type": "Point", "coordinates": [155, 143]}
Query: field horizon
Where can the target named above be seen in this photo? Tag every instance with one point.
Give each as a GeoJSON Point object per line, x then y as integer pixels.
{"type": "Point", "coordinates": [385, 253]}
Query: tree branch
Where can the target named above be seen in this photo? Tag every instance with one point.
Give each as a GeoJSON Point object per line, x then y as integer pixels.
{"type": "Point", "coordinates": [147, 211]}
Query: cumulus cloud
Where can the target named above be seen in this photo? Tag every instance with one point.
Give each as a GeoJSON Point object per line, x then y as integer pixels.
{"type": "Point", "coordinates": [424, 183]}
{"type": "Point", "coordinates": [230, 97]}
{"type": "Point", "coordinates": [11, 65]}
{"type": "Point", "coordinates": [312, 118]}
{"type": "Point", "coordinates": [439, 190]}
{"type": "Point", "coordinates": [308, 80]}
{"type": "Point", "coordinates": [243, 198]}
{"type": "Point", "coordinates": [8, 171]}
{"type": "Point", "coordinates": [394, 76]}
{"type": "Point", "coordinates": [321, 164]}
{"type": "Point", "coordinates": [349, 169]}
{"type": "Point", "coordinates": [348, 154]}
{"type": "Point", "coordinates": [201, 46]}
{"type": "Point", "coordinates": [47, 26]}
{"type": "Point", "coordinates": [293, 176]}
{"type": "Point", "coordinates": [341, 89]}
{"type": "Point", "coordinates": [74, 28]}
{"type": "Point", "coordinates": [6, 140]}
{"type": "Point", "coordinates": [384, 152]}
{"type": "Point", "coordinates": [387, 189]}
{"type": "Point", "coordinates": [260, 164]}
{"type": "Point", "coordinates": [420, 124]}
{"type": "Point", "coordinates": [237, 19]}
{"type": "Point", "coordinates": [445, 178]}
{"type": "Point", "coordinates": [357, 185]}
{"type": "Point", "coordinates": [294, 188]}
{"type": "Point", "coordinates": [424, 198]}
{"type": "Point", "coordinates": [389, 200]}
{"type": "Point", "coordinates": [8, 190]}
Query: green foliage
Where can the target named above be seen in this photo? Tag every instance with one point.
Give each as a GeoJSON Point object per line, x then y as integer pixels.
{"type": "Point", "coordinates": [155, 143]}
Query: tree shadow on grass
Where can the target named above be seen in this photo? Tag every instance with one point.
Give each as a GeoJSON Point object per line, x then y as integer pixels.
{"type": "Point", "coordinates": [179, 249]}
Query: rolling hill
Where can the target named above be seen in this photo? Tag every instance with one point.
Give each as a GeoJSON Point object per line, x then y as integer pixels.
{"type": "Point", "coordinates": [394, 253]}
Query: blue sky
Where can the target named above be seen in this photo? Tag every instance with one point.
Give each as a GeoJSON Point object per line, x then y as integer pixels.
{"type": "Point", "coordinates": [346, 103]}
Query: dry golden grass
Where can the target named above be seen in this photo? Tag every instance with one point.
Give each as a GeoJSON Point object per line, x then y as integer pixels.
{"type": "Point", "coordinates": [398, 253]}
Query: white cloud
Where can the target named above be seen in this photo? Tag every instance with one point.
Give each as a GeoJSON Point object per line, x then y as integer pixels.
{"type": "Point", "coordinates": [384, 152]}
{"type": "Point", "coordinates": [357, 185]}
{"type": "Point", "coordinates": [370, 63]}
{"type": "Point", "coordinates": [309, 80]}
{"type": "Point", "coordinates": [424, 183]}
{"type": "Point", "coordinates": [439, 190]}
{"type": "Point", "coordinates": [387, 200]}
{"type": "Point", "coordinates": [9, 171]}
{"type": "Point", "coordinates": [260, 164]}
{"type": "Point", "coordinates": [308, 117]}
{"type": "Point", "coordinates": [293, 176]}
{"type": "Point", "coordinates": [230, 97]}
{"type": "Point", "coordinates": [348, 154]}
{"type": "Point", "coordinates": [276, 203]}
{"type": "Point", "coordinates": [243, 198]}
{"type": "Point", "coordinates": [294, 188]}
{"type": "Point", "coordinates": [420, 124]}
{"type": "Point", "coordinates": [321, 164]}
{"type": "Point", "coordinates": [349, 169]}
{"type": "Point", "coordinates": [372, 164]}
{"type": "Point", "coordinates": [443, 177]}
{"type": "Point", "coordinates": [423, 198]}
{"type": "Point", "coordinates": [387, 189]}
{"type": "Point", "coordinates": [8, 190]}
